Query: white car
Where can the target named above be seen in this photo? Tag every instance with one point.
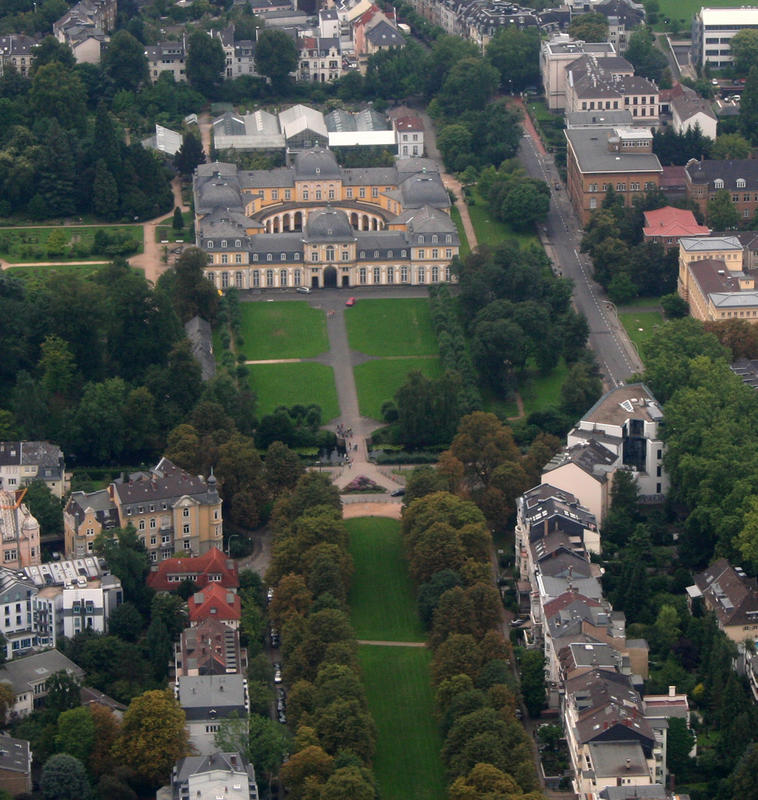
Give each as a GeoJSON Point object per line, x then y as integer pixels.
{"type": "Point", "coordinates": [278, 676]}
{"type": "Point", "coordinates": [303, 289]}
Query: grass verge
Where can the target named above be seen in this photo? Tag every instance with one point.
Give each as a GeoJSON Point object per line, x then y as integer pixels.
{"type": "Point", "coordinates": [377, 381]}
{"type": "Point", "coordinates": [641, 326]}
{"type": "Point", "coordinates": [490, 230]}
{"type": "Point", "coordinates": [537, 391]}
{"type": "Point", "coordinates": [391, 327]}
{"type": "Point", "coordinates": [382, 597]}
{"type": "Point", "coordinates": [407, 762]}
{"type": "Point", "coordinates": [465, 247]}
{"type": "Point", "coordinates": [286, 329]}
{"type": "Point", "coordinates": [289, 384]}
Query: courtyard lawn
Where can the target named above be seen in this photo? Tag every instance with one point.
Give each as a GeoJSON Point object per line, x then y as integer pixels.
{"type": "Point", "coordinates": [167, 232]}
{"type": "Point", "coordinates": [287, 329]}
{"type": "Point", "coordinates": [382, 597]}
{"type": "Point", "coordinates": [377, 381]}
{"type": "Point", "coordinates": [465, 248]}
{"type": "Point", "coordinates": [641, 326]}
{"type": "Point", "coordinates": [391, 328]}
{"type": "Point", "coordinates": [491, 231]}
{"type": "Point", "coordinates": [19, 245]}
{"type": "Point", "coordinates": [407, 763]}
{"type": "Point", "coordinates": [289, 384]}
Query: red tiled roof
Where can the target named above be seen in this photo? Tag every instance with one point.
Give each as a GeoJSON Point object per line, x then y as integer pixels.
{"type": "Point", "coordinates": [214, 562]}
{"type": "Point", "coordinates": [670, 222]}
{"type": "Point", "coordinates": [409, 124]}
{"type": "Point", "coordinates": [673, 178]}
{"type": "Point", "coordinates": [215, 602]}
{"type": "Point", "coordinates": [566, 599]}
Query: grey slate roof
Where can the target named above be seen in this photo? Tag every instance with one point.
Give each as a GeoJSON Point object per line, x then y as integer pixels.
{"type": "Point", "coordinates": [593, 155]}
{"type": "Point", "coordinates": [199, 695]}
{"type": "Point", "coordinates": [384, 35]}
{"type": "Point", "coordinates": [164, 482]}
{"type": "Point", "coordinates": [26, 672]}
{"type": "Point", "coordinates": [707, 171]}
{"type": "Point", "coordinates": [328, 225]}
{"type": "Point", "coordinates": [15, 755]}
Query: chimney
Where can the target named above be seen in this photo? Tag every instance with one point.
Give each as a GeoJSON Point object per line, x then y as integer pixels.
{"type": "Point", "coordinates": [629, 763]}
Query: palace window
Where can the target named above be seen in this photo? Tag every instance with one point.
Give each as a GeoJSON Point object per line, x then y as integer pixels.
{"type": "Point", "coordinates": [330, 253]}
{"type": "Point", "coordinates": [421, 275]}
{"type": "Point", "coordinates": [404, 274]}
{"type": "Point", "coordinates": [362, 274]}
{"type": "Point", "coordinates": [435, 274]}
{"type": "Point", "coordinates": [224, 259]}
{"type": "Point", "coordinates": [297, 275]}
{"type": "Point", "coordinates": [282, 277]}
{"type": "Point", "coordinates": [377, 275]}
{"type": "Point", "coordinates": [256, 278]}
{"type": "Point", "coordinates": [224, 280]}
{"type": "Point", "coordinates": [269, 277]}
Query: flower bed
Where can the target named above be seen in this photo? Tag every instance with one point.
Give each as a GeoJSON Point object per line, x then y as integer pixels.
{"type": "Point", "coordinates": [363, 485]}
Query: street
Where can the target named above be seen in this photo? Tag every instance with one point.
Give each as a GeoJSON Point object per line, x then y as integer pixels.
{"type": "Point", "coordinates": [561, 236]}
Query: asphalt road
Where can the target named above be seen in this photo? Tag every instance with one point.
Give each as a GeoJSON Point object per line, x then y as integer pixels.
{"type": "Point", "coordinates": [561, 236]}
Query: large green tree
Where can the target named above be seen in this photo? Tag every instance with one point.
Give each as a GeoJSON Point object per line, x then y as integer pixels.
{"type": "Point", "coordinates": [64, 778]}
{"type": "Point", "coordinates": [722, 214]}
{"type": "Point", "coordinates": [205, 63]}
{"type": "Point", "coordinates": [276, 57]}
{"type": "Point", "coordinates": [515, 55]}
{"type": "Point", "coordinates": [125, 62]}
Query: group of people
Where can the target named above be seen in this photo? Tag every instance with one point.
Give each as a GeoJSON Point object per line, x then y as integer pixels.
{"type": "Point", "coordinates": [345, 432]}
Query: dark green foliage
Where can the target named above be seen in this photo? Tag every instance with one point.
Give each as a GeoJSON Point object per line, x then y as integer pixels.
{"type": "Point", "coordinates": [205, 63]}
{"type": "Point", "coordinates": [45, 507]}
{"type": "Point", "coordinates": [648, 60]}
{"type": "Point", "coordinates": [428, 410]}
{"type": "Point", "coordinates": [429, 593]}
{"type": "Point", "coordinates": [515, 55]}
{"type": "Point", "coordinates": [64, 778]}
{"type": "Point", "coordinates": [190, 155]}
{"type": "Point", "coordinates": [532, 665]}
{"type": "Point", "coordinates": [126, 622]}
{"type": "Point", "coordinates": [275, 57]}
{"type": "Point", "coordinates": [679, 148]}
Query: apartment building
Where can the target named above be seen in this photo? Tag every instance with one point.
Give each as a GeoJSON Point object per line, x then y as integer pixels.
{"type": "Point", "coordinates": [556, 54]}
{"type": "Point", "coordinates": [17, 50]}
{"type": "Point", "coordinates": [210, 648]}
{"type": "Point", "coordinates": [21, 463]}
{"type": "Point", "coordinates": [28, 677]}
{"type": "Point", "coordinates": [739, 177]}
{"type": "Point", "coordinates": [171, 510]}
{"type": "Point", "coordinates": [213, 567]}
{"type": "Point", "coordinates": [168, 57]}
{"type": "Point", "coordinates": [221, 775]}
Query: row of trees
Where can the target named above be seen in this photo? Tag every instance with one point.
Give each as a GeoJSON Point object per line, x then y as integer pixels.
{"type": "Point", "coordinates": [486, 751]}
{"type": "Point", "coordinates": [513, 197]}
{"type": "Point", "coordinates": [310, 571]}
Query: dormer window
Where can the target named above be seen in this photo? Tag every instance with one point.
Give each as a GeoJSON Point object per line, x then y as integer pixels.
{"type": "Point", "coordinates": [238, 243]}
{"type": "Point", "coordinates": [223, 243]}
{"type": "Point", "coordinates": [210, 245]}
{"type": "Point", "coordinates": [741, 183]}
{"type": "Point", "coordinates": [718, 183]}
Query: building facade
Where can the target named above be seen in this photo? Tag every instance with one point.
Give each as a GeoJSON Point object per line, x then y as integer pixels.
{"type": "Point", "coordinates": [597, 159]}
{"type": "Point", "coordinates": [21, 463]}
{"type": "Point", "coordinates": [171, 510]}
{"type": "Point", "coordinates": [739, 177]}
{"type": "Point", "coordinates": [713, 30]}
{"type": "Point", "coordinates": [317, 225]}
{"type": "Point", "coordinates": [556, 55]}
{"type": "Point", "coordinates": [19, 532]}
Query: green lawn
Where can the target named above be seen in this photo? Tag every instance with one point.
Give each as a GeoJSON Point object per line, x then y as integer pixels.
{"type": "Point", "coordinates": [491, 231]}
{"type": "Point", "coordinates": [287, 329]}
{"type": "Point", "coordinates": [642, 304]}
{"type": "Point", "coordinates": [382, 597]}
{"type": "Point", "coordinates": [641, 326]}
{"type": "Point", "coordinates": [377, 381]}
{"type": "Point", "coordinates": [289, 384]}
{"type": "Point", "coordinates": [391, 327]}
{"type": "Point", "coordinates": [30, 244]}
{"type": "Point", "coordinates": [465, 249]}
{"type": "Point", "coordinates": [407, 762]}
{"type": "Point", "coordinates": [537, 391]}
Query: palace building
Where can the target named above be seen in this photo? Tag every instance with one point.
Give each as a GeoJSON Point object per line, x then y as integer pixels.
{"type": "Point", "coordinates": [316, 224]}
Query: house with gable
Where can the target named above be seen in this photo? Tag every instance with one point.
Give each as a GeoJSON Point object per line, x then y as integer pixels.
{"type": "Point", "coordinates": [215, 602]}
{"type": "Point", "coordinates": [213, 567]}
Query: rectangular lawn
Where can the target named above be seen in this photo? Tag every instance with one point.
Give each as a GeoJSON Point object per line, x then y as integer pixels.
{"type": "Point", "coordinates": [377, 381]}
{"type": "Point", "coordinates": [18, 245]}
{"type": "Point", "coordinates": [490, 230]}
{"type": "Point", "coordinates": [407, 762]}
{"type": "Point", "coordinates": [289, 384]}
{"type": "Point", "coordinates": [287, 329]}
{"type": "Point", "coordinates": [391, 327]}
{"type": "Point", "coordinates": [465, 248]}
{"type": "Point", "coordinates": [382, 596]}
{"type": "Point", "coordinates": [37, 276]}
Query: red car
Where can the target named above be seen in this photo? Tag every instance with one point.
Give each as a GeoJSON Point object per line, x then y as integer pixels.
{"type": "Point", "coordinates": [350, 301]}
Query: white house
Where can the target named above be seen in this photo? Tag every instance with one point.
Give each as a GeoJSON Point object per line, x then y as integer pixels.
{"type": "Point", "coordinates": [28, 677]}
{"type": "Point", "coordinates": [690, 110]}
{"type": "Point", "coordinates": [410, 136]}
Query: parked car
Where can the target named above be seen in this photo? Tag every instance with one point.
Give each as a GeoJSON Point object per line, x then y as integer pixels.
{"type": "Point", "coordinates": [282, 718]}
{"type": "Point", "coordinates": [397, 493]}
{"type": "Point", "coordinates": [303, 289]}
{"type": "Point", "coordinates": [281, 693]}
{"type": "Point", "coordinates": [277, 672]}
{"type": "Point", "coordinates": [270, 594]}
{"type": "Point", "coordinates": [350, 301]}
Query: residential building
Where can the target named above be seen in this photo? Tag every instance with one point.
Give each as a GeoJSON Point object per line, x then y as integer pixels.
{"type": "Point", "coordinates": [319, 59]}
{"type": "Point", "coordinates": [747, 370]}
{"type": "Point", "coordinates": [15, 765]}
{"type": "Point", "coordinates": [19, 532]}
{"type": "Point", "coordinates": [210, 648]}
{"type": "Point", "coordinates": [713, 30]}
{"type": "Point", "coordinates": [211, 567]}
{"type": "Point", "coordinates": [585, 470]}
{"type": "Point", "coordinates": [375, 30]}
{"type": "Point", "coordinates": [624, 17]}
{"type": "Point", "coordinates": [27, 621]}
{"type": "Point", "coordinates": [712, 279]}
{"type": "Point", "coordinates": [208, 699]}
{"type": "Point", "coordinates": [168, 57]}
{"type": "Point", "coordinates": [85, 28]}
{"type": "Point", "coordinates": [739, 177]}
{"type": "Point", "coordinates": [215, 602]}
{"type": "Point", "coordinates": [731, 596]}
{"type": "Point", "coordinates": [218, 775]}
{"type": "Point", "coordinates": [21, 463]}
{"type": "Point", "coordinates": [558, 53]}
{"type": "Point", "coordinates": [598, 158]}
{"type": "Point", "coordinates": [610, 84]}
{"type": "Point", "coordinates": [17, 50]}
{"type": "Point", "coordinates": [317, 224]}
{"type": "Point", "coordinates": [609, 740]}
{"type": "Point", "coordinates": [28, 677]}
{"type": "Point", "coordinates": [85, 516]}
{"type": "Point", "coordinates": [171, 510]}
{"type": "Point", "coordinates": [410, 136]}
{"type": "Point", "coordinates": [627, 420]}
{"type": "Point", "coordinates": [480, 20]}
{"type": "Point", "coordinates": [668, 225]}
{"type": "Point", "coordinates": [689, 111]}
